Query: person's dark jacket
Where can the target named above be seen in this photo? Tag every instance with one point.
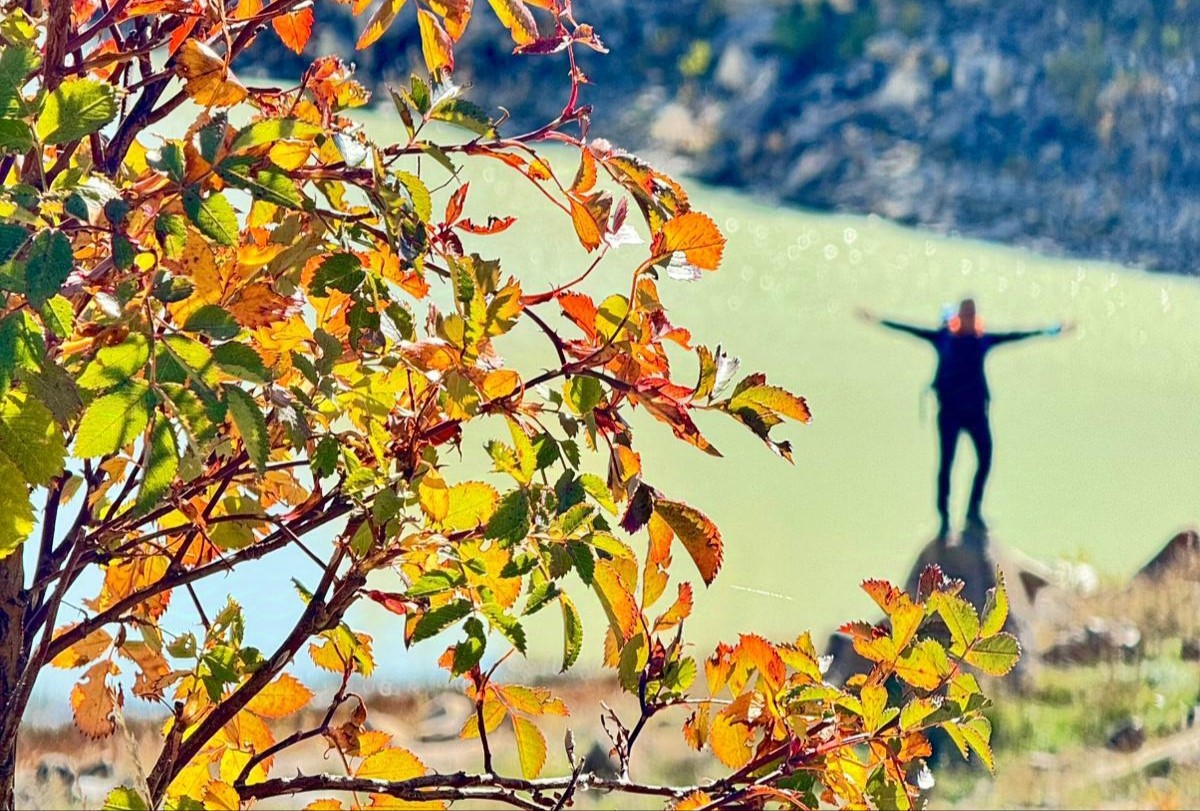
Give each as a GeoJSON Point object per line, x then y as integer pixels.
{"type": "Point", "coordinates": [960, 381]}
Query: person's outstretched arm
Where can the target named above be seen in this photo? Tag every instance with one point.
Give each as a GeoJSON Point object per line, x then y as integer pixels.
{"type": "Point", "coordinates": [899, 326]}
{"type": "Point", "coordinates": [995, 338]}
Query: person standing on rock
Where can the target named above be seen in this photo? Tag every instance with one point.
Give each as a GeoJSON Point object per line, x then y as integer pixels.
{"type": "Point", "coordinates": [962, 392]}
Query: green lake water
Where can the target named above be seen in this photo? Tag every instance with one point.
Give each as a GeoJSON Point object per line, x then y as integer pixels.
{"type": "Point", "coordinates": [1097, 433]}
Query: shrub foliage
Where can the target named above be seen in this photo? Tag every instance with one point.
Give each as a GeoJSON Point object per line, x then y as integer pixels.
{"type": "Point", "coordinates": [269, 334]}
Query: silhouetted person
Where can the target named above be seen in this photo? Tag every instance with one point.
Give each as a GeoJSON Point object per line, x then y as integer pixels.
{"type": "Point", "coordinates": [962, 392]}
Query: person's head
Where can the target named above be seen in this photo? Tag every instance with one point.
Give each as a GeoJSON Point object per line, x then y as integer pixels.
{"type": "Point", "coordinates": [966, 322]}
{"type": "Point", "coordinates": [966, 315]}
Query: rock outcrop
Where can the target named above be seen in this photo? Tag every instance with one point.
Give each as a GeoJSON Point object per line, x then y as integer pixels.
{"type": "Point", "coordinates": [1065, 125]}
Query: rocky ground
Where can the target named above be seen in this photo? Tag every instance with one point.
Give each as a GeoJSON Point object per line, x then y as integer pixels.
{"type": "Point", "coordinates": [1103, 713]}
{"type": "Point", "coordinates": [1065, 125]}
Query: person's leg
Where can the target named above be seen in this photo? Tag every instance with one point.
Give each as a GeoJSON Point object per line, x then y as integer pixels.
{"type": "Point", "coordinates": [981, 435]}
{"type": "Point", "coordinates": [948, 428]}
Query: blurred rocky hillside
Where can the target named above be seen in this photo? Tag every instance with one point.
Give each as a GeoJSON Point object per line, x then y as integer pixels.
{"type": "Point", "coordinates": [1066, 125]}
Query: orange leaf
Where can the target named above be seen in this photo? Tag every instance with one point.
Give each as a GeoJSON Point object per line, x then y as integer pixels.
{"type": "Point", "coordinates": [680, 610]}
{"type": "Point", "coordinates": [581, 310]}
{"type": "Point", "coordinates": [696, 235]}
{"type": "Point", "coordinates": [618, 603]}
{"type": "Point", "coordinates": [294, 28]}
{"type": "Point", "coordinates": [207, 79]}
{"type": "Point", "coordinates": [280, 698]}
{"type": "Point", "coordinates": [436, 45]}
{"type": "Point", "coordinates": [697, 799]}
{"type": "Point", "coordinates": [698, 534]}
{"type": "Point", "coordinates": [83, 651]}
{"type": "Point", "coordinates": [94, 701]}
{"type": "Point", "coordinates": [589, 231]}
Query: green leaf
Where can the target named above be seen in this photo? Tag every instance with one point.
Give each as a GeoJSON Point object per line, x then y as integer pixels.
{"type": "Point", "coordinates": [465, 114]}
{"type": "Point", "coordinates": [113, 421]}
{"type": "Point", "coordinates": [47, 265]}
{"type": "Point", "coordinates": [16, 63]}
{"type": "Point", "coordinates": [439, 619]}
{"type": "Point", "coordinates": [508, 626]}
{"type": "Point", "coordinates": [995, 608]}
{"type": "Point", "coordinates": [583, 393]}
{"type": "Point", "coordinates": [916, 711]}
{"type": "Point", "coordinates": [58, 316]}
{"type": "Point", "coordinates": [996, 655]}
{"type": "Point", "coordinates": [241, 361]}
{"type": "Point", "coordinates": [170, 160]}
{"type": "Point", "coordinates": [975, 734]}
{"type": "Point", "coordinates": [113, 365]}
{"type": "Point", "coordinates": [633, 659]}
{"type": "Point", "coordinates": [434, 582]}
{"type": "Point", "coordinates": [161, 466]}
{"type": "Point", "coordinates": [193, 359]}
{"type": "Point", "coordinates": [341, 271]}
{"type": "Point", "coordinates": [596, 487]}
{"type": "Point", "coordinates": [54, 388]}
{"type": "Point", "coordinates": [539, 596]}
{"type": "Point", "coordinates": [274, 129]}
{"type": "Point", "coordinates": [76, 108]}
{"type": "Point", "coordinates": [269, 185]}
{"type": "Point", "coordinates": [31, 439]}
{"type": "Point", "coordinates": [417, 190]}
{"type": "Point", "coordinates": [212, 320]}
{"type": "Point", "coordinates": [12, 237]}
{"type": "Point", "coordinates": [572, 632]}
{"type": "Point", "coordinates": [15, 136]}
{"type": "Point", "coordinates": [959, 617]}
{"type": "Point", "coordinates": [251, 424]}
{"type": "Point", "coordinates": [324, 457]}
{"type": "Point", "coordinates": [16, 511]}
{"type": "Point", "coordinates": [213, 215]}
{"type": "Point", "coordinates": [510, 523]}
{"type": "Point", "coordinates": [124, 799]}
{"type": "Point", "coordinates": [468, 652]}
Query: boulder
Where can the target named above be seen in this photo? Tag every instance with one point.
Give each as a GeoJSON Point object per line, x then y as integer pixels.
{"type": "Point", "coordinates": [1181, 557]}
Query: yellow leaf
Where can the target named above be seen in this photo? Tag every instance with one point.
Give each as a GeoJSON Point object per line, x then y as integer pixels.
{"type": "Point", "coordinates": [696, 235]}
{"type": "Point", "coordinates": [207, 79]}
{"type": "Point", "coordinates": [531, 746]}
{"type": "Point", "coordinates": [391, 764]}
{"type": "Point", "coordinates": [731, 738]}
{"type": "Point", "coordinates": [612, 317]}
{"type": "Point", "coordinates": [436, 45]}
{"type": "Point", "coordinates": [500, 383]}
{"type": "Point", "coordinates": [516, 19]}
{"type": "Point", "coordinates": [325, 805]}
{"type": "Point", "coordinates": [471, 504]}
{"type": "Point", "coordinates": [280, 698]}
{"type": "Point", "coordinates": [372, 741]}
{"type": "Point", "coordinates": [434, 496]}
{"type": "Point", "coordinates": [220, 796]}
{"type": "Point", "coordinates": [774, 400]}
{"type": "Point", "coordinates": [380, 21]}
